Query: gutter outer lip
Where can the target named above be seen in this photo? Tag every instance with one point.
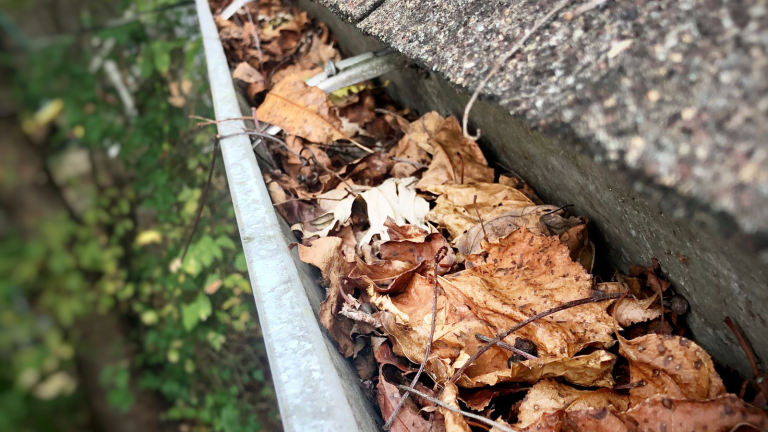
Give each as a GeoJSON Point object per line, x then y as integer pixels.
{"type": "Point", "coordinates": [312, 393]}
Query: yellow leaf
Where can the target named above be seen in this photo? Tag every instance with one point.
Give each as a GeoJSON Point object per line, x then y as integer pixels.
{"type": "Point", "coordinates": [147, 237]}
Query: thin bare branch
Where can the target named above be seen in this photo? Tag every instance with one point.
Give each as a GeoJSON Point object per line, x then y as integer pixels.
{"type": "Point", "coordinates": [255, 33]}
{"type": "Point", "coordinates": [203, 197]}
{"type": "Point", "coordinates": [593, 299]}
{"type": "Point", "coordinates": [438, 257]}
{"type": "Point", "coordinates": [506, 346]}
{"type": "Point", "coordinates": [487, 421]}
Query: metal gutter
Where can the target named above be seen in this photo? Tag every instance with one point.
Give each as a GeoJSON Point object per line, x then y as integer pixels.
{"type": "Point", "coordinates": [317, 390]}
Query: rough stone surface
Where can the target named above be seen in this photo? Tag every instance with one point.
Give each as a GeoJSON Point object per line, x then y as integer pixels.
{"type": "Point", "coordinates": [719, 277]}
{"type": "Point", "coordinates": [674, 92]}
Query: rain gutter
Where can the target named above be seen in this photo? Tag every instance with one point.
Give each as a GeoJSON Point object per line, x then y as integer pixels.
{"type": "Point", "coordinates": [317, 390]}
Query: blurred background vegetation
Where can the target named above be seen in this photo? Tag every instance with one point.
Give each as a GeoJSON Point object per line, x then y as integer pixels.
{"type": "Point", "coordinates": [101, 171]}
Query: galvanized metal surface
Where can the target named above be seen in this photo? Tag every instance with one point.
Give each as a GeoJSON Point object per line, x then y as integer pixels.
{"type": "Point", "coordinates": [316, 389]}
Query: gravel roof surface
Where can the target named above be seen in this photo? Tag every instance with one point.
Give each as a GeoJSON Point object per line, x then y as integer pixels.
{"type": "Point", "coordinates": [673, 91]}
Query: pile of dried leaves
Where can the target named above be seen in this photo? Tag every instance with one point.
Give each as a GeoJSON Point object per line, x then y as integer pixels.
{"type": "Point", "coordinates": [429, 256]}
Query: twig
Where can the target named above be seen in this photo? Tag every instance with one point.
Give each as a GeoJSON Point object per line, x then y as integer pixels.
{"type": "Point", "coordinates": [506, 346]}
{"type": "Point", "coordinates": [501, 61]}
{"type": "Point", "coordinates": [438, 257]}
{"type": "Point", "coordinates": [462, 166]}
{"type": "Point", "coordinates": [744, 345]}
{"type": "Point", "coordinates": [480, 218]}
{"type": "Point", "coordinates": [266, 136]}
{"type": "Point", "coordinates": [586, 7]}
{"type": "Point", "coordinates": [628, 386]}
{"type": "Point", "coordinates": [499, 337]}
{"type": "Point", "coordinates": [203, 197]}
{"type": "Point", "coordinates": [416, 164]}
{"type": "Point", "coordinates": [657, 287]}
{"type": "Point", "coordinates": [487, 421]}
{"type": "Point", "coordinates": [255, 33]}
{"type": "Point", "coordinates": [212, 121]}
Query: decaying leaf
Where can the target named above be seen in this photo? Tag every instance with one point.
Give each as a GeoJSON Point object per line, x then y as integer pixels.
{"type": "Point", "coordinates": [454, 422]}
{"type": "Point", "coordinates": [659, 413]}
{"type": "Point", "coordinates": [408, 419]}
{"type": "Point", "coordinates": [455, 208]}
{"type": "Point", "coordinates": [301, 110]}
{"type": "Point", "coordinates": [321, 253]}
{"type": "Point", "coordinates": [526, 274]}
{"type": "Point", "coordinates": [589, 370]}
{"type": "Point", "coordinates": [327, 256]}
{"type": "Point", "coordinates": [670, 365]}
{"type": "Point", "coordinates": [416, 145]}
{"type": "Point", "coordinates": [549, 396]}
{"type": "Point", "coordinates": [418, 251]}
{"type": "Point", "coordinates": [338, 205]}
{"type": "Point", "coordinates": [631, 310]}
{"type": "Point", "coordinates": [478, 400]}
{"type": "Point", "coordinates": [247, 73]}
{"type": "Point", "coordinates": [395, 199]}
{"type": "Point", "coordinates": [455, 159]}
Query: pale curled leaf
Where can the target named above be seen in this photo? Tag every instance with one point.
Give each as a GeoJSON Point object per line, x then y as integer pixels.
{"type": "Point", "coordinates": [396, 199]}
{"type": "Point", "coordinates": [416, 145]}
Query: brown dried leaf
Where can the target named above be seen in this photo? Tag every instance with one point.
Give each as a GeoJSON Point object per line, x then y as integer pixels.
{"type": "Point", "coordinates": [501, 226]}
{"type": "Point", "coordinates": [723, 414]}
{"type": "Point", "coordinates": [301, 110]}
{"type": "Point", "coordinates": [670, 365]}
{"type": "Point", "coordinates": [455, 207]}
{"type": "Point", "coordinates": [527, 274]}
{"type": "Point", "coordinates": [418, 251]}
{"type": "Point", "coordinates": [454, 422]}
{"type": "Point", "coordinates": [549, 396]}
{"type": "Point", "coordinates": [247, 73]}
{"type": "Point", "coordinates": [408, 419]}
{"type": "Point", "coordinates": [589, 370]}
{"type": "Point", "coordinates": [384, 355]}
{"type": "Point", "coordinates": [416, 145]}
{"type": "Point", "coordinates": [631, 310]}
{"type": "Point", "coordinates": [455, 159]}
{"type": "Point", "coordinates": [338, 326]}
{"type": "Point", "coordinates": [321, 253]}
{"type": "Point", "coordinates": [404, 232]}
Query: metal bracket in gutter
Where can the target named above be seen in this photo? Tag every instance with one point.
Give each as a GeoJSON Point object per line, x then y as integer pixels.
{"type": "Point", "coordinates": [316, 389]}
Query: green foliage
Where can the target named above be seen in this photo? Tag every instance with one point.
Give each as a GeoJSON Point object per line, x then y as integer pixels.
{"type": "Point", "coordinates": [194, 322]}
